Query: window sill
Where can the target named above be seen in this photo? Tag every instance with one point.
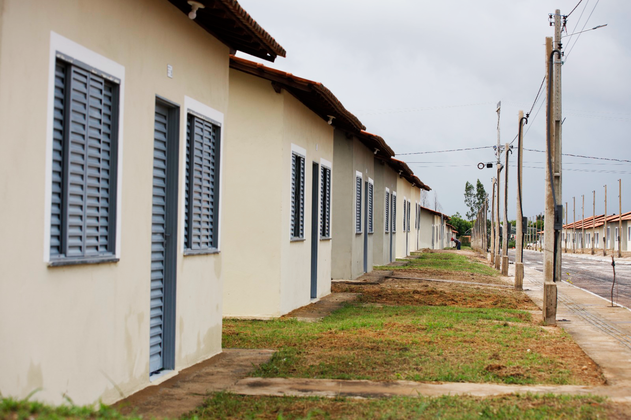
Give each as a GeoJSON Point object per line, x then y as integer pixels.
{"type": "Point", "coordinates": [62, 262]}
{"type": "Point", "coordinates": [188, 252]}
{"type": "Point", "coordinates": [325, 238]}
{"type": "Point", "coordinates": [358, 233]}
{"type": "Point", "coordinates": [370, 233]}
{"type": "Point", "coordinates": [298, 239]}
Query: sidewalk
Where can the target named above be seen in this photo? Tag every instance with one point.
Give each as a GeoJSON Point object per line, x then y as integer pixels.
{"type": "Point", "coordinates": [602, 331]}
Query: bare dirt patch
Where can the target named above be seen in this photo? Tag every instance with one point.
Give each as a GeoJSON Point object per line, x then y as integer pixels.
{"type": "Point", "coordinates": [410, 292]}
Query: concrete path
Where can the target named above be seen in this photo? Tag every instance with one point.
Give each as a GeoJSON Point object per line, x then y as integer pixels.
{"type": "Point", "coordinates": [371, 389]}
{"type": "Point", "coordinates": [190, 387]}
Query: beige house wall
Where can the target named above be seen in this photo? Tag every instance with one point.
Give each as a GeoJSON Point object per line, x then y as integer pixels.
{"type": "Point", "coordinates": [83, 331]}
{"type": "Point", "coordinates": [266, 273]}
{"type": "Point", "coordinates": [427, 229]}
{"type": "Point", "coordinates": [254, 169]}
{"type": "Point", "coordinates": [405, 239]}
{"type": "Point", "coordinates": [385, 177]}
{"type": "Point", "coordinates": [351, 157]}
{"type": "Point", "coordinates": [306, 130]}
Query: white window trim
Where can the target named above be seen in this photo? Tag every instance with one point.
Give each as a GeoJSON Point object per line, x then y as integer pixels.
{"type": "Point", "coordinates": [393, 220]}
{"type": "Point", "coordinates": [371, 205]}
{"type": "Point", "coordinates": [386, 211]}
{"type": "Point", "coordinates": [359, 174]}
{"type": "Point", "coordinates": [216, 117]}
{"type": "Point", "coordinates": [301, 151]}
{"type": "Point", "coordinates": [65, 46]}
{"type": "Point", "coordinates": [325, 163]}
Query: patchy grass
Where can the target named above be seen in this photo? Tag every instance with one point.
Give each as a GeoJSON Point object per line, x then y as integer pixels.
{"type": "Point", "coordinates": [445, 262]}
{"type": "Point", "coordinates": [229, 406]}
{"type": "Point", "coordinates": [411, 292]}
{"type": "Point", "coordinates": [418, 343]}
{"type": "Point", "coordinates": [25, 409]}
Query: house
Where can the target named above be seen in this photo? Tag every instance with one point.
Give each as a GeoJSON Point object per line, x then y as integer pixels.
{"type": "Point", "coordinates": [409, 197]}
{"type": "Point", "coordinates": [281, 189]}
{"type": "Point", "coordinates": [112, 184]}
{"type": "Point", "coordinates": [594, 228]}
{"type": "Point", "coordinates": [434, 230]}
{"type": "Point", "coordinates": [358, 216]}
{"type": "Point", "coordinates": [384, 241]}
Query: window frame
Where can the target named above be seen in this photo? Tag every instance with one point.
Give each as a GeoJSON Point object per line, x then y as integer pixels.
{"type": "Point", "coordinates": [387, 210]}
{"type": "Point", "coordinates": [393, 216]}
{"type": "Point", "coordinates": [325, 228]}
{"type": "Point", "coordinates": [71, 55]}
{"type": "Point", "coordinates": [359, 195]}
{"type": "Point", "coordinates": [214, 219]}
{"type": "Point", "coordinates": [371, 205]}
{"type": "Point", "coordinates": [300, 179]}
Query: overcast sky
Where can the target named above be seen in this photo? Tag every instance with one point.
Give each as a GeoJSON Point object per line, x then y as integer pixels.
{"type": "Point", "coordinates": [427, 75]}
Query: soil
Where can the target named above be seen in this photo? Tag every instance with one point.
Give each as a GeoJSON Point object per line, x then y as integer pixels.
{"type": "Point", "coordinates": [428, 293]}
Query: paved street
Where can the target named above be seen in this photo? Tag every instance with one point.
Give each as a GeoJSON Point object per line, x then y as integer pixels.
{"type": "Point", "coordinates": [593, 273]}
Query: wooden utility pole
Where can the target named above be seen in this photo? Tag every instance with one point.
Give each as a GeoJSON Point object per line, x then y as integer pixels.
{"type": "Point", "coordinates": [574, 225]}
{"type": "Point", "coordinates": [519, 243]}
{"type": "Point", "coordinates": [605, 226]}
{"type": "Point", "coordinates": [619, 235]}
{"type": "Point", "coordinates": [552, 254]}
{"type": "Point", "coordinates": [583, 226]}
{"type": "Point", "coordinates": [594, 224]}
{"type": "Point", "coordinates": [507, 229]}
{"type": "Point", "coordinates": [492, 256]}
{"type": "Point", "coordinates": [497, 212]}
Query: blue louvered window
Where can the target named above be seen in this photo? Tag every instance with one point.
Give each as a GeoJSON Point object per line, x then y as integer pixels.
{"type": "Point", "coordinates": [297, 196]}
{"type": "Point", "coordinates": [201, 192]}
{"type": "Point", "coordinates": [387, 212]}
{"type": "Point", "coordinates": [371, 221]}
{"type": "Point", "coordinates": [407, 224]}
{"type": "Point", "coordinates": [83, 202]}
{"type": "Point", "coordinates": [325, 202]}
{"type": "Point", "coordinates": [394, 212]}
{"type": "Point", "coordinates": [358, 204]}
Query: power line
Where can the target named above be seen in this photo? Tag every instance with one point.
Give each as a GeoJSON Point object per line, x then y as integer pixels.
{"type": "Point", "coordinates": [445, 151]}
{"type": "Point", "coordinates": [579, 2]}
{"type": "Point", "coordinates": [531, 108]}
{"type": "Point", "coordinates": [583, 156]}
{"type": "Point", "coordinates": [579, 35]}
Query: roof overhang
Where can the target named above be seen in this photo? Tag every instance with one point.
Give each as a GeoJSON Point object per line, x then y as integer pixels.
{"type": "Point", "coordinates": [227, 21]}
{"type": "Point", "coordinates": [313, 95]}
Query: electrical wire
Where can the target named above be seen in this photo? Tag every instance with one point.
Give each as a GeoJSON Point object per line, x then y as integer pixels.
{"type": "Point", "coordinates": [532, 107]}
{"type": "Point", "coordinates": [583, 156]}
{"type": "Point", "coordinates": [445, 151]}
{"type": "Point", "coordinates": [577, 4]}
{"type": "Point", "coordinates": [579, 35]}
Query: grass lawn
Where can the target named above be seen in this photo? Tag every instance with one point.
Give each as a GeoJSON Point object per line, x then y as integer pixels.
{"type": "Point", "coordinates": [26, 409]}
{"type": "Point", "coordinates": [229, 406]}
{"type": "Point", "coordinates": [418, 343]}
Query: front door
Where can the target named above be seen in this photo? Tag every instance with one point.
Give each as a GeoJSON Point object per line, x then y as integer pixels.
{"type": "Point", "coordinates": [163, 238]}
{"type": "Point", "coordinates": [366, 227]}
{"type": "Point", "coordinates": [315, 225]}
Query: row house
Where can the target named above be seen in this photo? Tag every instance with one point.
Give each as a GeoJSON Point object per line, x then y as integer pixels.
{"type": "Point", "coordinates": [114, 122]}
{"type": "Point", "coordinates": [615, 236]}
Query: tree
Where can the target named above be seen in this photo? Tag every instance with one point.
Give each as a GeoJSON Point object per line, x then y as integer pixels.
{"type": "Point", "coordinates": [474, 198]}
{"type": "Point", "coordinates": [461, 225]}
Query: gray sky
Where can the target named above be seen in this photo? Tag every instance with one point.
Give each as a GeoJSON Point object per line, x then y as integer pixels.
{"type": "Point", "coordinates": [426, 76]}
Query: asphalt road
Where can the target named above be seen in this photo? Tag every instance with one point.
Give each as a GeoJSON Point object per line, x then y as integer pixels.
{"type": "Point", "coordinates": [593, 274]}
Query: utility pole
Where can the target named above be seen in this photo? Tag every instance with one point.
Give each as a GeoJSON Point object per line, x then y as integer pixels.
{"type": "Point", "coordinates": [594, 223]}
{"type": "Point", "coordinates": [583, 227]}
{"type": "Point", "coordinates": [507, 229]}
{"type": "Point", "coordinates": [620, 219]}
{"type": "Point", "coordinates": [605, 226]}
{"type": "Point", "coordinates": [552, 256]}
{"type": "Point", "coordinates": [519, 243]}
{"type": "Point", "coordinates": [497, 212]}
{"type": "Point", "coordinates": [492, 256]}
{"type": "Point", "coordinates": [574, 225]}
